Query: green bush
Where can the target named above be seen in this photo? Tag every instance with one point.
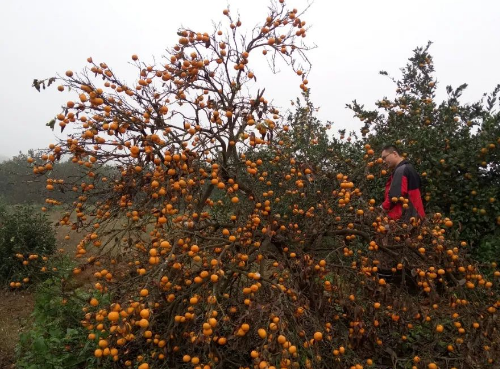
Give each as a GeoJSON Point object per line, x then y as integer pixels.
{"type": "Point", "coordinates": [489, 248]}
{"type": "Point", "coordinates": [57, 339]}
{"type": "Point", "coordinates": [454, 145]}
{"type": "Point", "coordinates": [26, 240]}
{"type": "Point", "coordinates": [3, 206]}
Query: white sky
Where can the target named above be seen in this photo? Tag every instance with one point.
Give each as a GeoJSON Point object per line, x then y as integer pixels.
{"type": "Point", "coordinates": [355, 39]}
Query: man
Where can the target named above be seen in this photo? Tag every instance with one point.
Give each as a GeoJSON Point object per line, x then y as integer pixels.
{"type": "Point", "coordinates": [403, 182]}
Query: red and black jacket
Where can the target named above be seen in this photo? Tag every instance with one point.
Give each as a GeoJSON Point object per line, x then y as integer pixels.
{"type": "Point", "coordinates": [403, 182]}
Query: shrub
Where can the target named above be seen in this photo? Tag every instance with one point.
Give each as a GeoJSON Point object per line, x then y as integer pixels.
{"type": "Point", "coordinates": [57, 339]}
{"type": "Point", "coordinates": [489, 248]}
{"type": "Point", "coordinates": [445, 140]}
{"type": "Point", "coordinates": [26, 240]}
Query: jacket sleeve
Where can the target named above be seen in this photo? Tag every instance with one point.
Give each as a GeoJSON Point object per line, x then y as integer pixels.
{"type": "Point", "coordinates": [386, 205]}
{"type": "Point", "coordinates": [399, 186]}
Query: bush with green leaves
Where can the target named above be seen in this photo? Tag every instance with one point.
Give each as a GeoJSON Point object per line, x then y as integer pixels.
{"type": "Point", "coordinates": [26, 240]}
{"type": "Point", "coordinates": [56, 340]}
{"type": "Point", "coordinates": [454, 145]}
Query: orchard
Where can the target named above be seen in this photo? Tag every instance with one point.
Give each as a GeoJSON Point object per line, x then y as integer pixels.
{"type": "Point", "coordinates": [225, 233]}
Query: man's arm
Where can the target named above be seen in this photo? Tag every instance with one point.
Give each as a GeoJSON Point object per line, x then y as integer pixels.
{"type": "Point", "coordinates": [399, 187]}
{"type": "Point", "coordinates": [386, 205]}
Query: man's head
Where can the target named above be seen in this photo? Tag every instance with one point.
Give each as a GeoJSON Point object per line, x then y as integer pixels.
{"type": "Point", "coordinates": [390, 156]}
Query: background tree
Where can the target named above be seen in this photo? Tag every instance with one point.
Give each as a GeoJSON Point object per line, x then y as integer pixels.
{"type": "Point", "coordinates": [18, 186]}
{"type": "Point", "coordinates": [454, 146]}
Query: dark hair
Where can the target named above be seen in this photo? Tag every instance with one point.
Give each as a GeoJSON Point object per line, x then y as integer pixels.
{"type": "Point", "coordinates": [391, 148]}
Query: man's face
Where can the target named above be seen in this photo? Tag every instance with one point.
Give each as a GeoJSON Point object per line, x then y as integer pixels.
{"type": "Point", "coordinates": [390, 158]}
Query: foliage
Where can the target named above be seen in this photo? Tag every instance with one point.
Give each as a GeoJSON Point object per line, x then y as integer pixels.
{"type": "Point", "coordinates": [447, 140]}
{"type": "Point", "coordinates": [27, 239]}
{"type": "Point", "coordinates": [16, 181]}
{"type": "Point", "coordinates": [238, 236]}
{"type": "Point", "coordinates": [488, 249]}
{"type": "Point", "coordinates": [3, 207]}
{"type": "Point", "coordinates": [56, 339]}
{"type": "Point", "coordinates": [18, 186]}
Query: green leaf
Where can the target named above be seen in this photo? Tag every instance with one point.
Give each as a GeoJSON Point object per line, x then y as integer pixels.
{"type": "Point", "coordinates": [51, 124]}
{"type": "Point", "coordinates": [39, 345]}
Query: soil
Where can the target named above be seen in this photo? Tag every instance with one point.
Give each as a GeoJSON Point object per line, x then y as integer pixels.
{"type": "Point", "coordinates": [15, 311]}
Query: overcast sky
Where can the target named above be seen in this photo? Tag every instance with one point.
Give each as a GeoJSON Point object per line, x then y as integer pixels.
{"type": "Point", "coordinates": [355, 39]}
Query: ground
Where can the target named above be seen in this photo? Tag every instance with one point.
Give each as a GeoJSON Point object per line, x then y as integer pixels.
{"type": "Point", "coordinates": [15, 310]}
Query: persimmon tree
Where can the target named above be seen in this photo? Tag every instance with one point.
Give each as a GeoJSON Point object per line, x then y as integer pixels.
{"type": "Point", "coordinates": [231, 235]}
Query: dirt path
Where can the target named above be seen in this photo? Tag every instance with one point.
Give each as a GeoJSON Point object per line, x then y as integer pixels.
{"type": "Point", "coordinates": [15, 310]}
